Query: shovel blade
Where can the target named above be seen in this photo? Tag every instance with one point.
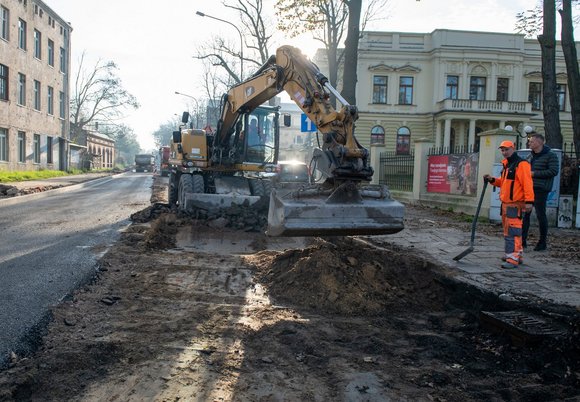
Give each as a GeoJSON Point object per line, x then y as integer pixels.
{"type": "Point", "coordinates": [325, 216]}
{"type": "Point", "coordinates": [464, 253]}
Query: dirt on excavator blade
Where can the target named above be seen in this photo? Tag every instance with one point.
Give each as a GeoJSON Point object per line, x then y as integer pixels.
{"type": "Point", "coordinates": [370, 211]}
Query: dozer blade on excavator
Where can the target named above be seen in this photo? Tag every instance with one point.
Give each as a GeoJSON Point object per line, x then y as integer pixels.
{"type": "Point", "coordinates": [348, 210]}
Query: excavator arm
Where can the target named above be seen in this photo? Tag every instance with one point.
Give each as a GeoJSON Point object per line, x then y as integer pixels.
{"type": "Point", "coordinates": [343, 203]}
{"type": "Point", "coordinates": [341, 156]}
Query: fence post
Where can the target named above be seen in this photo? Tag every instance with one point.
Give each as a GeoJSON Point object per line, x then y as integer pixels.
{"type": "Point", "coordinates": [376, 150]}
{"type": "Point", "coordinates": [422, 146]}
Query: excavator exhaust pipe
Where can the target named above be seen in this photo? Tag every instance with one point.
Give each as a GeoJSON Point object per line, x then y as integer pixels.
{"type": "Point", "coordinates": [348, 210]}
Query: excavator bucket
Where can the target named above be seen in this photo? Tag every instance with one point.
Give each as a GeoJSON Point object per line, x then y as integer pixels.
{"type": "Point", "coordinates": [348, 210]}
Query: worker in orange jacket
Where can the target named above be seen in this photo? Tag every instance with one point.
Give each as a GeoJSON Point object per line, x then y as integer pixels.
{"type": "Point", "coordinates": [517, 197]}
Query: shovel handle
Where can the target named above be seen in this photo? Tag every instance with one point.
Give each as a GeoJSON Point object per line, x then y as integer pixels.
{"type": "Point", "coordinates": [474, 223]}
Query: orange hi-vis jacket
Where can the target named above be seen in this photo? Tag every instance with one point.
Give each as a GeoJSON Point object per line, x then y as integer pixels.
{"type": "Point", "coordinates": [515, 182]}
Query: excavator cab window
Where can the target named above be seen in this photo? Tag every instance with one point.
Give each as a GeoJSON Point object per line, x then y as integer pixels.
{"type": "Point", "coordinates": [261, 140]}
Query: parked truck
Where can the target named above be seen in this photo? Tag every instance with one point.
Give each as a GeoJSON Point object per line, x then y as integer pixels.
{"type": "Point", "coordinates": [164, 153]}
{"type": "Point", "coordinates": [144, 163]}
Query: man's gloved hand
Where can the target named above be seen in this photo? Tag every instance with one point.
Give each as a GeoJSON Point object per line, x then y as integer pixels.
{"type": "Point", "coordinates": [488, 178]}
{"type": "Point", "coordinates": [529, 207]}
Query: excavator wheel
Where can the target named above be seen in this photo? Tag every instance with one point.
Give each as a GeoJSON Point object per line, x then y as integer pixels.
{"type": "Point", "coordinates": [185, 186]}
{"type": "Point", "coordinates": [172, 190]}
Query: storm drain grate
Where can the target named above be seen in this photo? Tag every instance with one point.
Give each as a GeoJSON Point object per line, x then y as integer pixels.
{"type": "Point", "coordinates": [523, 328]}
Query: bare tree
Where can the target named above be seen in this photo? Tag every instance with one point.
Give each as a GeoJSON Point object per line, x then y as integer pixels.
{"type": "Point", "coordinates": [256, 36]}
{"type": "Point", "coordinates": [551, 109]}
{"type": "Point", "coordinates": [350, 78]}
{"type": "Point", "coordinates": [326, 20]}
{"type": "Point", "coordinates": [98, 96]}
{"type": "Point", "coordinates": [571, 57]}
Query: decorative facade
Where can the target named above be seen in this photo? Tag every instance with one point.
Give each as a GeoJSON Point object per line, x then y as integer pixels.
{"type": "Point", "coordinates": [34, 86]}
{"type": "Point", "coordinates": [448, 86]}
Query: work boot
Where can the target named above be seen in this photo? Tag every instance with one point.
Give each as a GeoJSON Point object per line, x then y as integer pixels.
{"type": "Point", "coordinates": [520, 260]}
{"type": "Point", "coordinates": [508, 265]}
{"type": "Point", "coordinates": [541, 246]}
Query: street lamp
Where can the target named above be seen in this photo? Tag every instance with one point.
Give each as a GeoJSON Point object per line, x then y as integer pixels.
{"type": "Point", "coordinates": [196, 107]}
{"type": "Point", "coordinates": [241, 40]}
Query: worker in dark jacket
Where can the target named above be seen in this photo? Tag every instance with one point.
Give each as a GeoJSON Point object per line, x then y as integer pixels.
{"type": "Point", "coordinates": [517, 197]}
{"type": "Point", "coordinates": [545, 166]}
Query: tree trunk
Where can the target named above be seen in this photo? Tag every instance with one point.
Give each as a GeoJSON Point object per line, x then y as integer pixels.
{"type": "Point", "coordinates": [570, 55]}
{"type": "Point", "coordinates": [551, 109]}
{"type": "Point", "coordinates": [331, 54]}
{"type": "Point", "coordinates": [349, 77]}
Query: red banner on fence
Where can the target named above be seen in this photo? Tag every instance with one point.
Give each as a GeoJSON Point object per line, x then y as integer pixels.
{"type": "Point", "coordinates": [453, 174]}
{"type": "Point", "coordinates": [437, 181]}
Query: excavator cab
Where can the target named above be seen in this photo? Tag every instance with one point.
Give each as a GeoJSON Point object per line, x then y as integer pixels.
{"type": "Point", "coordinates": [260, 136]}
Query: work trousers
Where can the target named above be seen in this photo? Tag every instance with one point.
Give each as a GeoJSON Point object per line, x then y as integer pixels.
{"type": "Point", "coordinates": [540, 200]}
{"type": "Point", "coordinates": [512, 222]}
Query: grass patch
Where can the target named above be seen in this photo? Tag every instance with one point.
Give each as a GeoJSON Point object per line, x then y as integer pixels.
{"type": "Point", "coordinates": [13, 176]}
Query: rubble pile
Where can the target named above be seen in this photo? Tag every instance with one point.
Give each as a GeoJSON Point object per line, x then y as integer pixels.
{"type": "Point", "coordinates": [245, 217]}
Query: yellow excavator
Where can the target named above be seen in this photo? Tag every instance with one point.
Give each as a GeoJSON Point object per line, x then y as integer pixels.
{"type": "Point", "coordinates": [218, 169]}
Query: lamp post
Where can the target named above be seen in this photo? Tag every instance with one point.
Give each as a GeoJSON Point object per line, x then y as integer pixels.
{"type": "Point", "coordinates": [196, 107]}
{"type": "Point", "coordinates": [241, 40]}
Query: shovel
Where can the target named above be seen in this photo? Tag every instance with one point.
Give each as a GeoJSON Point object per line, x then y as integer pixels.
{"type": "Point", "coordinates": [473, 225]}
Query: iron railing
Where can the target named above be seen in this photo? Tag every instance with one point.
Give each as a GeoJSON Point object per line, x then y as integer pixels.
{"type": "Point", "coordinates": [396, 171]}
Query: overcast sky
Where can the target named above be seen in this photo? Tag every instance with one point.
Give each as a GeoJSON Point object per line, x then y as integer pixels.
{"type": "Point", "coordinates": [153, 43]}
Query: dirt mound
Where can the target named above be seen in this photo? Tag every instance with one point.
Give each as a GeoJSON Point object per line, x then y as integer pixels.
{"type": "Point", "coordinates": [348, 276]}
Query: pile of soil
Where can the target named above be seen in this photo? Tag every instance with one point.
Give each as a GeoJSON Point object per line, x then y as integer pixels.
{"type": "Point", "coordinates": [347, 276]}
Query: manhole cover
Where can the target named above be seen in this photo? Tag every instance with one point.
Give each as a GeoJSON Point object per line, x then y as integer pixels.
{"type": "Point", "coordinates": [522, 327]}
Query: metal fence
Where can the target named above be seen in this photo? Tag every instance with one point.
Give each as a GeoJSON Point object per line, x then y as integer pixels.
{"type": "Point", "coordinates": [570, 171]}
{"type": "Point", "coordinates": [396, 171]}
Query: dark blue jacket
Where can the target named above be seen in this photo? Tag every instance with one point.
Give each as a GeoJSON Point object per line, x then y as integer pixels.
{"type": "Point", "coordinates": [545, 166]}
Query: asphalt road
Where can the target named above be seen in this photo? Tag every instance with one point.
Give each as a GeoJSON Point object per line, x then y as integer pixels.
{"type": "Point", "coordinates": [50, 246]}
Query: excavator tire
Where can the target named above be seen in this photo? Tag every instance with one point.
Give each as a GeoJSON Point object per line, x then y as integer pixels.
{"type": "Point", "coordinates": [256, 187]}
{"type": "Point", "coordinates": [185, 186]}
{"type": "Point", "coordinates": [198, 184]}
{"type": "Point", "coordinates": [172, 190]}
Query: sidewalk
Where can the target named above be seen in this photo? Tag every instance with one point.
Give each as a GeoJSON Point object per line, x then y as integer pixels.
{"type": "Point", "coordinates": [539, 278]}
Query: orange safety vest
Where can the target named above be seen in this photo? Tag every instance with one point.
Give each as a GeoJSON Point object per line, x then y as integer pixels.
{"type": "Point", "coordinates": [515, 182]}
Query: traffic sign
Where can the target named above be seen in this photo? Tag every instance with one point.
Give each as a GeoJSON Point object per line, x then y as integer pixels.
{"type": "Point", "coordinates": [306, 125]}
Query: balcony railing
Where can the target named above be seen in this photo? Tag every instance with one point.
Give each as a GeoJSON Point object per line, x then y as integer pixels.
{"type": "Point", "coordinates": [469, 105]}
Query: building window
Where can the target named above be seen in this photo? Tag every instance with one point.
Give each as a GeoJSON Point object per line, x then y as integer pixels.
{"type": "Point", "coordinates": [561, 94]}
{"type": "Point", "coordinates": [21, 89]}
{"type": "Point", "coordinates": [3, 144]}
{"type": "Point", "coordinates": [378, 135]}
{"type": "Point", "coordinates": [5, 21]}
{"type": "Point", "coordinates": [477, 88]}
{"type": "Point", "coordinates": [36, 153]}
{"type": "Point", "coordinates": [452, 87]}
{"type": "Point", "coordinates": [380, 89]}
{"type": "Point", "coordinates": [37, 95]}
{"type": "Point", "coordinates": [403, 141]}
{"type": "Point", "coordinates": [502, 89]}
{"type": "Point", "coordinates": [405, 90]}
{"type": "Point", "coordinates": [50, 53]}
{"type": "Point", "coordinates": [535, 95]}
{"type": "Point", "coordinates": [61, 104]}
{"type": "Point", "coordinates": [21, 147]}
{"type": "Point", "coordinates": [22, 34]}
{"type": "Point", "coordinates": [62, 60]}
{"type": "Point", "coordinates": [37, 44]}
{"type": "Point", "coordinates": [3, 82]}
{"type": "Point", "coordinates": [50, 100]}
{"type": "Point", "coordinates": [48, 149]}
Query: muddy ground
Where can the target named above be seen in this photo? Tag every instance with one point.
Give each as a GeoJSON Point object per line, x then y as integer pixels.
{"type": "Point", "coordinates": [181, 310]}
